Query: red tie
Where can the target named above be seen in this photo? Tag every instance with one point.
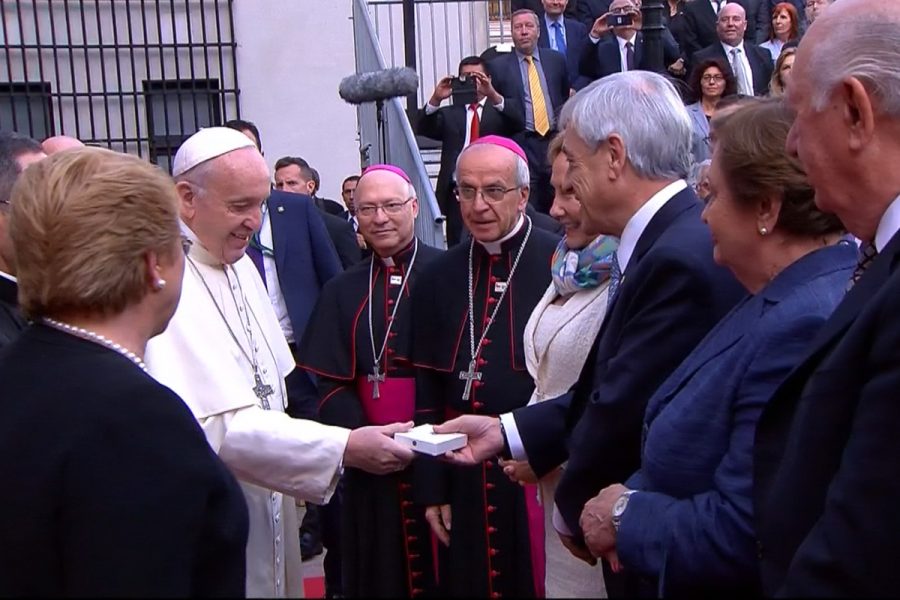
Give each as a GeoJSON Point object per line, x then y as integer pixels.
{"type": "Point", "coordinates": [473, 130]}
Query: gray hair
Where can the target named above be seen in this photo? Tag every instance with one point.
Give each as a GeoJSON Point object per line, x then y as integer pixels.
{"type": "Point", "coordinates": [866, 45]}
{"type": "Point", "coordinates": [697, 171]}
{"type": "Point", "coordinates": [645, 110]}
{"type": "Point", "coordinates": [522, 173]}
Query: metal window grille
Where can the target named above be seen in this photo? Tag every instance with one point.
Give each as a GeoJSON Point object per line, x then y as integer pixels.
{"type": "Point", "coordinates": [137, 76]}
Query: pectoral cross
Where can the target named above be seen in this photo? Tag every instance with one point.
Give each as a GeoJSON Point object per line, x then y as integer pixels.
{"type": "Point", "coordinates": [375, 378]}
{"type": "Point", "coordinates": [470, 376]}
{"type": "Point", "coordinates": [262, 391]}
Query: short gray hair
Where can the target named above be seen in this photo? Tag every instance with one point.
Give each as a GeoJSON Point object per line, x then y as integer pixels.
{"type": "Point", "coordinates": [866, 46]}
{"type": "Point", "coordinates": [645, 110]}
{"type": "Point", "coordinates": [522, 173]}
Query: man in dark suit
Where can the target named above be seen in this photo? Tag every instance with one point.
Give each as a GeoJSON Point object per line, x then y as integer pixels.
{"type": "Point", "coordinates": [538, 79]}
{"type": "Point", "coordinates": [827, 454]}
{"type": "Point", "coordinates": [538, 5]}
{"type": "Point", "coordinates": [664, 286]}
{"type": "Point", "coordinates": [590, 10]}
{"type": "Point", "coordinates": [458, 125]}
{"type": "Point", "coordinates": [293, 174]}
{"type": "Point", "coordinates": [564, 34]}
{"type": "Point", "coordinates": [702, 18]}
{"type": "Point", "coordinates": [16, 153]}
{"type": "Point", "coordinates": [624, 50]}
{"type": "Point", "coordinates": [332, 207]}
{"type": "Point", "coordinates": [750, 65]}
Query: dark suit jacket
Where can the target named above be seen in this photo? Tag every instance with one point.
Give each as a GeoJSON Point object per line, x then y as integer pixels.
{"type": "Point", "coordinates": [111, 486]}
{"type": "Point", "coordinates": [448, 124]}
{"type": "Point", "coordinates": [343, 236]}
{"type": "Point", "coordinates": [827, 458]}
{"type": "Point", "coordinates": [603, 58]}
{"type": "Point", "coordinates": [589, 10]}
{"type": "Point", "coordinates": [760, 63]}
{"type": "Point", "coordinates": [11, 321]}
{"type": "Point", "coordinates": [700, 31]}
{"type": "Point", "coordinates": [691, 527]}
{"type": "Point", "coordinates": [576, 39]}
{"type": "Point", "coordinates": [507, 78]}
{"type": "Point", "coordinates": [672, 291]}
{"type": "Point", "coordinates": [305, 259]}
{"type": "Point", "coordinates": [537, 6]}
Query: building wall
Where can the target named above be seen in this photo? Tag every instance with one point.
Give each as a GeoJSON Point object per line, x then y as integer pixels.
{"type": "Point", "coordinates": [291, 57]}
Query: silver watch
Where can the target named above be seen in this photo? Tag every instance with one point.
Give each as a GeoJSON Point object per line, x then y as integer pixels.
{"type": "Point", "coordinates": [619, 507]}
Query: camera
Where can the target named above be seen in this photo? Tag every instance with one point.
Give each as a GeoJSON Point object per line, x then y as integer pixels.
{"type": "Point", "coordinates": [622, 20]}
{"type": "Point", "coordinates": [463, 89]}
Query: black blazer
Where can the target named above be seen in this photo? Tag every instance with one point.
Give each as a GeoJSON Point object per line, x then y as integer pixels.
{"type": "Point", "coordinates": [827, 460]}
{"type": "Point", "coordinates": [603, 58]}
{"type": "Point", "coordinates": [507, 78]}
{"type": "Point", "coordinates": [576, 39]}
{"type": "Point", "coordinates": [672, 291]}
{"type": "Point", "coordinates": [700, 30]}
{"type": "Point", "coordinates": [760, 63]}
{"type": "Point", "coordinates": [111, 486]}
{"type": "Point", "coordinates": [589, 10]}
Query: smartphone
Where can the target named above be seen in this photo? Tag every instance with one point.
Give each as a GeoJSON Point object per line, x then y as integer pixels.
{"type": "Point", "coordinates": [463, 90]}
{"type": "Point", "coordinates": [624, 20]}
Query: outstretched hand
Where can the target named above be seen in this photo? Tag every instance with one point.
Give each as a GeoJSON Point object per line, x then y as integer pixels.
{"type": "Point", "coordinates": [484, 438]}
{"type": "Point", "coordinates": [373, 449]}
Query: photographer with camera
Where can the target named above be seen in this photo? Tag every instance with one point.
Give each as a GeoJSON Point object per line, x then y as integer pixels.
{"type": "Point", "coordinates": [624, 50]}
{"type": "Point", "coordinates": [476, 110]}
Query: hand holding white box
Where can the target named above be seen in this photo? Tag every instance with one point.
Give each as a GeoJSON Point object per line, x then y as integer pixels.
{"type": "Point", "coordinates": [422, 439]}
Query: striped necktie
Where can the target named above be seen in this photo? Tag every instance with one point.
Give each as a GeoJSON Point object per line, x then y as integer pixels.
{"type": "Point", "coordinates": [615, 277]}
{"type": "Point", "coordinates": [538, 102]}
{"type": "Point", "coordinates": [867, 253]}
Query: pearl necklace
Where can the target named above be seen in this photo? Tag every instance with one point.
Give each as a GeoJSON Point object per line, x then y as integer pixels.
{"type": "Point", "coordinates": [86, 334]}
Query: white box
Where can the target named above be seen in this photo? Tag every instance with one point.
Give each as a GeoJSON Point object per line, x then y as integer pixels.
{"type": "Point", "coordinates": [422, 439]}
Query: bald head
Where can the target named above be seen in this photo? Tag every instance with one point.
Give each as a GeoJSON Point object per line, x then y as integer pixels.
{"type": "Point", "coordinates": [731, 24]}
{"type": "Point", "coordinates": [58, 143]}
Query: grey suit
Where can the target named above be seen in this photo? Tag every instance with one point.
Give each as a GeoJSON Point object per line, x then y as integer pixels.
{"type": "Point", "coordinates": [700, 133]}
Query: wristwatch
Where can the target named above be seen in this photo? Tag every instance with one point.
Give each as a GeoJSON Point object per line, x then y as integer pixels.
{"type": "Point", "coordinates": [619, 507]}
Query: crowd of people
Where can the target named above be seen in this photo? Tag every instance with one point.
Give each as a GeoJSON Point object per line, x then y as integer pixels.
{"type": "Point", "coordinates": [690, 391]}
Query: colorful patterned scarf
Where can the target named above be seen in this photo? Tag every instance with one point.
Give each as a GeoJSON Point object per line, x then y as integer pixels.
{"type": "Point", "coordinates": [576, 270]}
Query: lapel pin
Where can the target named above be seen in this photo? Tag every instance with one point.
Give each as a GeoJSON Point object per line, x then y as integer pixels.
{"type": "Point", "coordinates": [280, 209]}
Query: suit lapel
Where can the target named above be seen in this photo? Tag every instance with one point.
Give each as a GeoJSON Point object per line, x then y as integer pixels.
{"type": "Point", "coordinates": [638, 50]}
{"type": "Point", "coordinates": [277, 209]}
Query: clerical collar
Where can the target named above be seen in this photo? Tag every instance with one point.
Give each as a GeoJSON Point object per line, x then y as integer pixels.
{"type": "Point", "coordinates": [198, 252]}
{"type": "Point", "coordinates": [496, 247]}
{"type": "Point", "coordinates": [9, 277]}
{"type": "Point", "coordinates": [400, 257]}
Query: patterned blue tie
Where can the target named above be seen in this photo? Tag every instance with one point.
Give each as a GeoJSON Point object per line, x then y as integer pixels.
{"type": "Point", "coordinates": [615, 277]}
{"type": "Point", "coordinates": [867, 253]}
{"type": "Point", "coordinates": [560, 40]}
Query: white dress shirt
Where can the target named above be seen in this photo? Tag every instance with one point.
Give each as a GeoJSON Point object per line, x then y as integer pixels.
{"type": "Point", "coordinates": [551, 31]}
{"type": "Point", "coordinates": [889, 225]}
{"type": "Point", "coordinates": [273, 286]}
{"type": "Point", "coordinates": [630, 236]}
{"type": "Point", "coordinates": [430, 109]}
{"type": "Point", "coordinates": [623, 51]}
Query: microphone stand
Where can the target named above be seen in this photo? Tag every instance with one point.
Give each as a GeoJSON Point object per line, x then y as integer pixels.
{"type": "Point", "coordinates": [382, 141]}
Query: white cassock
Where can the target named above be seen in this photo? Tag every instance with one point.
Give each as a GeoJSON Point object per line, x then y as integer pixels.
{"type": "Point", "coordinates": [276, 458]}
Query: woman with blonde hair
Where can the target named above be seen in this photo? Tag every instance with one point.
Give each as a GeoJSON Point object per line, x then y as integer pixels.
{"type": "Point", "coordinates": [558, 337]}
{"type": "Point", "coordinates": [110, 486]}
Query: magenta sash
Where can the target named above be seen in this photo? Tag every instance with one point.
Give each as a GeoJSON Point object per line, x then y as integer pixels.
{"type": "Point", "coordinates": [396, 402]}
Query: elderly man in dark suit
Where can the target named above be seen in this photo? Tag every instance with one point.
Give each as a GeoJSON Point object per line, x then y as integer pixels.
{"type": "Point", "coordinates": [827, 458]}
{"type": "Point", "coordinates": [624, 50]}
{"type": "Point", "coordinates": [458, 125]}
{"type": "Point", "coordinates": [537, 78]}
{"type": "Point", "coordinates": [702, 17]}
{"type": "Point", "coordinates": [566, 35]}
{"type": "Point", "coordinates": [16, 153]}
{"type": "Point", "coordinates": [750, 64]}
{"type": "Point", "coordinates": [664, 286]}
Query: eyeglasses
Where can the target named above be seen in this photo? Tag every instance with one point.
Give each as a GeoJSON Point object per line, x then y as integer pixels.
{"type": "Point", "coordinates": [712, 78]}
{"type": "Point", "coordinates": [186, 244]}
{"type": "Point", "coordinates": [391, 208]}
{"type": "Point", "coordinates": [491, 193]}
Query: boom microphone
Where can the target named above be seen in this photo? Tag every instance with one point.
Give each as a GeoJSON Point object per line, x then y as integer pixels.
{"type": "Point", "coordinates": [375, 86]}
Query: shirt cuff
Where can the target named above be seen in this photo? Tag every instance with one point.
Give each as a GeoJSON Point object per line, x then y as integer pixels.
{"type": "Point", "coordinates": [516, 448]}
{"type": "Point", "coordinates": [559, 524]}
{"type": "Point", "coordinates": [430, 109]}
{"type": "Point", "coordinates": [500, 105]}
{"type": "Point", "coordinates": [593, 39]}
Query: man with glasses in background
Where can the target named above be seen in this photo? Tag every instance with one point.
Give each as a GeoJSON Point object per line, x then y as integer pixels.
{"type": "Point", "coordinates": [469, 310]}
{"type": "Point", "coordinates": [357, 345]}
